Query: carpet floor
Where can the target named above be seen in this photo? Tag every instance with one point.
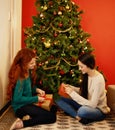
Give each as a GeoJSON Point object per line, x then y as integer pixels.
{"type": "Point", "coordinates": [64, 122]}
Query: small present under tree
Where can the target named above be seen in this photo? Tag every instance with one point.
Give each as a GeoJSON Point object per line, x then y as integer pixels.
{"type": "Point", "coordinates": [58, 39]}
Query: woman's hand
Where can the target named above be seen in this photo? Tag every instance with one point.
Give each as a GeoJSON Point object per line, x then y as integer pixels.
{"type": "Point", "coordinates": [40, 92]}
{"type": "Point", "coordinates": [68, 90]}
{"type": "Point", "coordinates": [41, 99]}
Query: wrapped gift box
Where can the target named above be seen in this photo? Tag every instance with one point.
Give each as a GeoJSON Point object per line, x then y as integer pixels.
{"type": "Point", "coordinates": [61, 91]}
{"type": "Point", "coordinates": [47, 102]}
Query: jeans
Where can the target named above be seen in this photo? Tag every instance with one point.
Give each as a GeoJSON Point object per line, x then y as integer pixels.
{"type": "Point", "coordinates": [84, 112]}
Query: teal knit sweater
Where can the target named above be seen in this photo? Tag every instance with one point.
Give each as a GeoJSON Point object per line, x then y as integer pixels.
{"type": "Point", "coordinates": [23, 94]}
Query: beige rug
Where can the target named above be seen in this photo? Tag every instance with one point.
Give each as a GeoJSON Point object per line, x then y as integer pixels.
{"type": "Point", "coordinates": [63, 122]}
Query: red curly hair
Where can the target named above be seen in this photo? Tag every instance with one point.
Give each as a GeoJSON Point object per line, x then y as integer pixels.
{"type": "Point", "coordinates": [19, 69]}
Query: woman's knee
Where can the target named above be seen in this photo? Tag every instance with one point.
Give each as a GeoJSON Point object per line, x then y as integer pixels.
{"type": "Point", "coordinates": [83, 111]}
{"type": "Point", "coordinates": [53, 118]}
{"type": "Point", "coordinates": [90, 113]}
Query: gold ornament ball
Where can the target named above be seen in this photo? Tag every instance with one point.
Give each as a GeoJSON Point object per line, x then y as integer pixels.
{"type": "Point", "coordinates": [47, 45]}
{"type": "Point", "coordinates": [45, 7]}
{"type": "Point", "coordinates": [67, 7]}
{"type": "Point", "coordinates": [46, 62]}
{"type": "Point", "coordinates": [59, 13]}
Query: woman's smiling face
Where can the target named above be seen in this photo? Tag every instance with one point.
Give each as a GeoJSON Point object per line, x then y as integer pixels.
{"type": "Point", "coordinates": [32, 63]}
{"type": "Point", "coordinates": [82, 67]}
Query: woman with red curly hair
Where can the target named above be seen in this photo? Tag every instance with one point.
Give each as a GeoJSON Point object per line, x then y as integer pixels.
{"type": "Point", "coordinates": [22, 92]}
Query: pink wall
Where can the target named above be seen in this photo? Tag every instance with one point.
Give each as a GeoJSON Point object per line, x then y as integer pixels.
{"type": "Point", "coordinates": [98, 20]}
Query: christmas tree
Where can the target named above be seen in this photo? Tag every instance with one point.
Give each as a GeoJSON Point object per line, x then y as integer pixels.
{"type": "Point", "coordinates": [58, 39]}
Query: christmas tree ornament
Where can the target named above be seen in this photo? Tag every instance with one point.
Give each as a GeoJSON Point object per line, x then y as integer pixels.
{"type": "Point", "coordinates": [43, 39]}
{"type": "Point", "coordinates": [56, 42]}
{"type": "Point", "coordinates": [80, 80]}
{"type": "Point", "coordinates": [60, 24]}
{"type": "Point", "coordinates": [34, 38]}
{"type": "Point", "coordinates": [42, 15]}
{"type": "Point", "coordinates": [55, 34]}
{"type": "Point", "coordinates": [85, 48]}
{"type": "Point", "coordinates": [61, 72]}
{"type": "Point", "coordinates": [67, 7]}
{"type": "Point", "coordinates": [73, 75]}
{"type": "Point", "coordinates": [80, 42]}
{"type": "Point", "coordinates": [54, 12]}
{"type": "Point", "coordinates": [71, 72]}
{"type": "Point", "coordinates": [46, 62]}
{"type": "Point", "coordinates": [41, 7]}
{"type": "Point", "coordinates": [59, 12]}
{"type": "Point", "coordinates": [45, 7]}
{"type": "Point", "coordinates": [63, 54]}
{"type": "Point", "coordinates": [50, 3]}
{"type": "Point", "coordinates": [47, 43]}
{"type": "Point", "coordinates": [40, 64]}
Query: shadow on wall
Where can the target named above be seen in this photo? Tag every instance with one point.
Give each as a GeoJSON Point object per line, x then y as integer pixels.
{"type": "Point", "coordinates": [1, 94]}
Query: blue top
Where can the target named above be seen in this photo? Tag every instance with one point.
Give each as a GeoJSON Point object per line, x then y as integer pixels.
{"type": "Point", "coordinates": [23, 94]}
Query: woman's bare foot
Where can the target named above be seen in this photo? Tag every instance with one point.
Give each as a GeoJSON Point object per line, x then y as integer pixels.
{"type": "Point", "coordinates": [27, 117]}
{"type": "Point", "coordinates": [78, 118]}
{"type": "Point", "coordinates": [18, 124]}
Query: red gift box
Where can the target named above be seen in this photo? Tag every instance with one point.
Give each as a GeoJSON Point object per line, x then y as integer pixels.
{"type": "Point", "coordinates": [47, 103]}
{"type": "Point", "coordinates": [61, 91]}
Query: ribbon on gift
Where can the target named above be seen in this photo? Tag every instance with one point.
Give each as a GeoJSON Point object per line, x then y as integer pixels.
{"type": "Point", "coordinates": [47, 103]}
{"type": "Point", "coordinates": [46, 98]}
